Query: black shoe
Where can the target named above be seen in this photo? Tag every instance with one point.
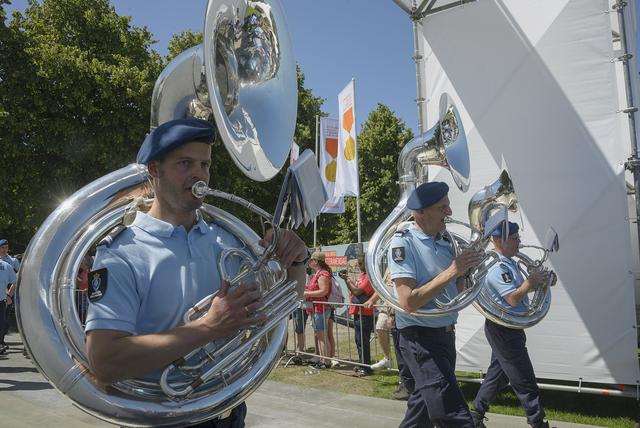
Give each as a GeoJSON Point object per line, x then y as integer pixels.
{"type": "Point", "coordinates": [401, 393]}
{"type": "Point", "coordinates": [478, 419]}
{"type": "Point", "coordinates": [319, 366]}
{"type": "Point", "coordinates": [541, 424]}
{"type": "Point", "coordinates": [360, 372]}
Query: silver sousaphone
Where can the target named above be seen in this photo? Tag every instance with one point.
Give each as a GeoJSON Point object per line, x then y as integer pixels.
{"type": "Point", "coordinates": [444, 145]}
{"type": "Point", "coordinates": [500, 196]}
{"type": "Point", "coordinates": [244, 78]}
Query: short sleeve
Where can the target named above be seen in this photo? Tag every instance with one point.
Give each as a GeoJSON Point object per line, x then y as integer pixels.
{"type": "Point", "coordinates": [366, 286]}
{"type": "Point", "coordinates": [401, 259]}
{"type": "Point", "coordinates": [501, 279]}
{"type": "Point", "coordinates": [117, 308]}
{"type": "Point", "coordinates": [12, 276]}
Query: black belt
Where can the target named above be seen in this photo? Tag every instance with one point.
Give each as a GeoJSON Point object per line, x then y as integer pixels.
{"type": "Point", "coordinates": [429, 331]}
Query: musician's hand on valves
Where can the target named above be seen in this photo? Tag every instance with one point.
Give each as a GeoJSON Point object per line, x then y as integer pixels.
{"type": "Point", "coordinates": [233, 309]}
{"type": "Point", "coordinates": [538, 279]}
{"type": "Point", "coordinates": [465, 261]}
{"type": "Point", "coordinates": [290, 247]}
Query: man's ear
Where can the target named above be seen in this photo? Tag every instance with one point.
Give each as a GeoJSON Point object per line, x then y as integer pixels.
{"type": "Point", "coordinates": [152, 167]}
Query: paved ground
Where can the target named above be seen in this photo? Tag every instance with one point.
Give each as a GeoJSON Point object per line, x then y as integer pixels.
{"type": "Point", "coordinates": [27, 400]}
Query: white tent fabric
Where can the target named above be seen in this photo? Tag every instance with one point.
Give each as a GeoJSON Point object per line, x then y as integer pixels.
{"type": "Point", "coordinates": [538, 96]}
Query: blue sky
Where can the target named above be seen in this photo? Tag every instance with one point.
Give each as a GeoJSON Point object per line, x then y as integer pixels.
{"type": "Point", "coordinates": [368, 40]}
{"type": "Point", "coordinates": [372, 43]}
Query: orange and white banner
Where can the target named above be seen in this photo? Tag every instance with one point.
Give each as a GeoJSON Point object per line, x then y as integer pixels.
{"type": "Point", "coordinates": [347, 182]}
{"type": "Point", "coordinates": [328, 152]}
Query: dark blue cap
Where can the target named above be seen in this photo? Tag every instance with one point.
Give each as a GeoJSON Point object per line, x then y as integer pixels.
{"type": "Point", "coordinates": [513, 228]}
{"type": "Point", "coordinates": [427, 194]}
{"type": "Point", "coordinates": [171, 135]}
{"type": "Point", "coordinates": [3, 242]}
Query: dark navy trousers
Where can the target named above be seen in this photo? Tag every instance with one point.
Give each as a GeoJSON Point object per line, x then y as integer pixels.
{"type": "Point", "coordinates": [430, 355]}
{"type": "Point", "coordinates": [405, 374]}
{"type": "Point", "coordinates": [363, 327]}
{"type": "Point", "coordinates": [510, 363]}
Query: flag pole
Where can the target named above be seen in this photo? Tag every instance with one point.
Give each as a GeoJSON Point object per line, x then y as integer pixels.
{"type": "Point", "coordinates": [315, 220]}
{"type": "Point", "coordinates": [355, 124]}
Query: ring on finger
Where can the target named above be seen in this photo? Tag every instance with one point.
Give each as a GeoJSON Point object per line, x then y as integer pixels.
{"type": "Point", "coordinates": [246, 310]}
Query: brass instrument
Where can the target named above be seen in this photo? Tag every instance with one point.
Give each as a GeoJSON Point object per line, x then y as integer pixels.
{"type": "Point", "coordinates": [443, 145]}
{"type": "Point", "coordinates": [244, 78]}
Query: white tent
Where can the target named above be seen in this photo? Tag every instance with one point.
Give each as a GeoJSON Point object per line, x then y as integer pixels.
{"type": "Point", "coordinates": [540, 96]}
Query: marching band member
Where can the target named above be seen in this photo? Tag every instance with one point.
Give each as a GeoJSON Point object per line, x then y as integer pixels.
{"type": "Point", "coordinates": [423, 268]}
{"type": "Point", "coordinates": [510, 362]}
{"type": "Point", "coordinates": [150, 273]}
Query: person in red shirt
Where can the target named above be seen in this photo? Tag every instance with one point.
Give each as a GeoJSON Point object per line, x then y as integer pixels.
{"type": "Point", "coordinates": [362, 301]}
{"type": "Point", "coordinates": [317, 291]}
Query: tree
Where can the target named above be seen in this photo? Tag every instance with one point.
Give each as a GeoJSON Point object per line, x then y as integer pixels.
{"type": "Point", "coordinates": [179, 43]}
{"type": "Point", "coordinates": [76, 84]}
{"type": "Point", "coordinates": [75, 88]}
{"type": "Point", "coordinates": [380, 142]}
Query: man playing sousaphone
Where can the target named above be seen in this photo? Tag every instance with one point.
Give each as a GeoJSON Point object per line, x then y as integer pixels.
{"type": "Point", "coordinates": [510, 362]}
{"type": "Point", "coordinates": [423, 268]}
{"type": "Point", "coordinates": [147, 276]}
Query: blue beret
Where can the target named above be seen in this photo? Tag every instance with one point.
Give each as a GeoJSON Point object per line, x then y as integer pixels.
{"type": "Point", "coordinates": [513, 228]}
{"type": "Point", "coordinates": [3, 242]}
{"type": "Point", "coordinates": [171, 135]}
{"type": "Point", "coordinates": [427, 194]}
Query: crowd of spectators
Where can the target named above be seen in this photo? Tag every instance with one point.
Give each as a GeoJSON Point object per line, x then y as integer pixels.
{"type": "Point", "coordinates": [364, 313]}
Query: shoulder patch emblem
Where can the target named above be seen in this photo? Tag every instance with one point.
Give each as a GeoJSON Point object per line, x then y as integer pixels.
{"type": "Point", "coordinates": [97, 284]}
{"type": "Point", "coordinates": [506, 277]}
{"type": "Point", "coordinates": [398, 254]}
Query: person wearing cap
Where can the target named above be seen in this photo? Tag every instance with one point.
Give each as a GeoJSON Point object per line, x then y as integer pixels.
{"type": "Point", "coordinates": [147, 275]}
{"type": "Point", "coordinates": [510, 362]}
{"type": "Point", "coordinates": [423, 269]}
{"type": "Point", "coordinates": [317, 291]}
{"type": "Point", "coordinates": [5, 257]}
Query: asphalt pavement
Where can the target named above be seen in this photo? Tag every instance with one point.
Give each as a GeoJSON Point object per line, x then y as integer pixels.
{"type": "Point", "coordinates": [28, 400]}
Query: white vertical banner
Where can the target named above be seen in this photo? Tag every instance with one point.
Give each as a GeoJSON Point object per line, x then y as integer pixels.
{"type": "Point", "coordinates": [295, 152]}
{"type": "Point", "coordinates": [347, 182]}
{"type": "Point", "coordinates": [328, 152]}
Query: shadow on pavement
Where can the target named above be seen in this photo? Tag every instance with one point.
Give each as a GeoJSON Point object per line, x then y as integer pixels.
{"type": "Point", "coordinates": [23, 386]}
{"type": "Point", "coordinates": [18, 370]}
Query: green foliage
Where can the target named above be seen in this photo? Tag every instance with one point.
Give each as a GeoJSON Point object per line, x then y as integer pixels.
{"type": "Point", "coordinates": [75, 88]}
{"type": "Point", "coordinates": [76, 83]}
{"type": "Point", "coordinates": [380, 142]}
{"type": "Point", "coordinates": [179, 43]}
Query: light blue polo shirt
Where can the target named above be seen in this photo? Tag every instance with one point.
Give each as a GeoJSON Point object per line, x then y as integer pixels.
{"type": "Point", "coordinates": [15, 263]}
{"type": "Point", "coordinates": [504, 278]}
{"type": "Point", "coordinates": [7, 276]}
{"type": "Point", "coordinates": [155, 272]}
{"type": "Point", "coordinates": [414, 254]}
